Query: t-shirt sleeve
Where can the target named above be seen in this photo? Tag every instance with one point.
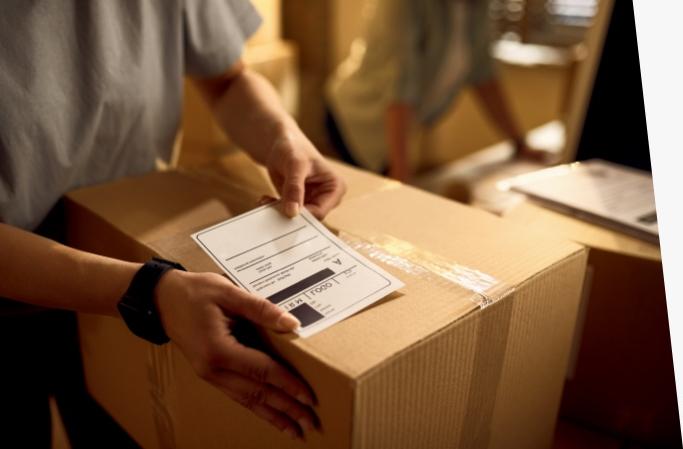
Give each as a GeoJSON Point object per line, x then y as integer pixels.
{"type": "Point", "coordinates": [214, 33]}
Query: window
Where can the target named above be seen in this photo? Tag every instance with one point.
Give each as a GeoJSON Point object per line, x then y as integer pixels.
{"type": "Point", "coordinates": [550, 22]}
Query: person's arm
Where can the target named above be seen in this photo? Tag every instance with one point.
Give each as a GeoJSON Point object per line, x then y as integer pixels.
{"type": "Point", "coordinates": [196, 310]}
{"type": "Point", "coordinates": [36, 270]}
{"type": "Point", "coordinates": [398, 122]}
{"type": "Point", "coordinates": [491, 96]}
{"type": "Point", "coordinates": [250, 111]}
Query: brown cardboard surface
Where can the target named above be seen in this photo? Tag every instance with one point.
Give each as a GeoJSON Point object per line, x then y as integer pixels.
{"type": "Point", "coordinates": [448, 234]}
{"type": "Point", "coordinates": [426, 367]}
{"type": "Point", "coordinates": [478, 410]}
{"type": "Point", "coordinates": [271, 27]}
{"type": "Point", "coordinates": [622, 377]}
{"type": "Point", "coordinates": [109, 345]}
{"type": "Point", "coordinates": [203, 417]}
{"type": "Point", "coordinates": [237, 170]}
{"type": "Point", "coordinates": [589, 234]}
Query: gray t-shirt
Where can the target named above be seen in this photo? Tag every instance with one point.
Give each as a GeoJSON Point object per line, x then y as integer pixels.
{"type": "Point", "coordinates": [91, 90]}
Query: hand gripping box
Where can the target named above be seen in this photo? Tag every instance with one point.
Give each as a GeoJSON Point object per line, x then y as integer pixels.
{"type": "Point", "coordinates": [471, 353]}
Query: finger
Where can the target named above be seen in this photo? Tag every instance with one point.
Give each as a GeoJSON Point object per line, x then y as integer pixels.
{"type": "Point", "coordinates": [326, 198]}
{"type": "Point", "coordinates": [261, 368]}
{"type": "Point", "coordinates": [252, 394]}
{"type": "Point", "coordinates": [322, 204]}
{"type": "Point", "coordinates": [265, 199]}
{"type": "Point", "coordinates": [259, 310]}
{"type": "Point", "coordinates": [293, 187]}
{"type": "Point", "coordinates": [277, 419]}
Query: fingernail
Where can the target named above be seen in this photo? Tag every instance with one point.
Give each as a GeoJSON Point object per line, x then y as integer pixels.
{"type": "Point", "coordinates": [291, 209]}
{"type": "Point", "coordinates": [291, 433]}
{"type": "Point", "coordinates": [304, 399]}
{"type": "Point", "coordinates": [305, 424]}
{"type": "Point", "coordinates": [287, 321]}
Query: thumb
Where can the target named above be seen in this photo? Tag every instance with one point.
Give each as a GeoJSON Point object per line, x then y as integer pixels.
{"type": "Point", "coordinates": [262, 312]}
{"type": "Point", "coordinates": [293, 187]}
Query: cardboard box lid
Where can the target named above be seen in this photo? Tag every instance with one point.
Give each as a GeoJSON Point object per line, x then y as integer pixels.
{"type": "Point", "coordinates": [592, 235]}
{"type": "Point", "coordinates": [459, 239]}
{"type": "Point", "coordinates": [452, 239]}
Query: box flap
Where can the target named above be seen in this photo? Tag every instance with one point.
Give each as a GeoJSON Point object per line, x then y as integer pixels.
{"type": "Point", "coordinates": [161, 204]}
{"type": "Point", "coordinates": [432, 300]}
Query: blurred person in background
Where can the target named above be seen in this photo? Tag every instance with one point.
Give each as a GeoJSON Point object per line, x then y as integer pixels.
{"type": "Point", "coordinates": [91, 91]}
{"type": "Point", "coordinates": [402, 75]}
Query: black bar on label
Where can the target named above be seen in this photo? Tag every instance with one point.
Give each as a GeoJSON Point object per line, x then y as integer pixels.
{"type": "Point", "coordinates": [306, 314]}
{"type": "Point", "coordinates": [300, 286]}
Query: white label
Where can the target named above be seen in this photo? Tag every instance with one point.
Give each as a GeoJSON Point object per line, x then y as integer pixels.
{"type": "Point", "coordinates": [297, 264]}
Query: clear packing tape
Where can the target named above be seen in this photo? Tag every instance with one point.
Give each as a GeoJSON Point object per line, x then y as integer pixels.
{"type": "Point", "coordinates": [160, 373]}
{"type": "Point", "coordinates": [428, 266]}
{"type": "Point", "coordinates": [492, 331]}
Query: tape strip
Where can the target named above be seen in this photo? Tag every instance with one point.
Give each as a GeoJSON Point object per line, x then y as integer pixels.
{"type": "Point", "coordinates": [160, 372]}
{"type": "Point", "coordinates": [489, 358]}
{"type": "Point", "coordinates": [417, 262]}
{"type": "Point", "coordinates": [490, 344]}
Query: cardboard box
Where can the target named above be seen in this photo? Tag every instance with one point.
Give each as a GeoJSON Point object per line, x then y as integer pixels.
{"type": "Point", "coordinates": [621, 378]}
{"type": "Point", "coordinates": [472, 353]}
{"type": "Point", "coordinates": [203, 139]}
{"type": "Point", "coordinates": [271, 27]}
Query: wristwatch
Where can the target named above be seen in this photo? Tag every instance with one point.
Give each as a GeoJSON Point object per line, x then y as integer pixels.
{"type": "Point", "coordinates": [137, 307]}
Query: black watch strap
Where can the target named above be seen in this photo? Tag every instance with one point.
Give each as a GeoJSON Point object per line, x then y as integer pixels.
{"type": "Point", "coordinates": [137, 307]}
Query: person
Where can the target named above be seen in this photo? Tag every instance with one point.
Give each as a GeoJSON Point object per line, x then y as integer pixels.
{"type": "Point", "coordinates": [91, 91]}
{"type": "Point", "coordinates": [401, 76]}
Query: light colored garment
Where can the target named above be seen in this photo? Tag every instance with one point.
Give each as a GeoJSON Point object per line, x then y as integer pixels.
{"type": "Point", "coordinates": [417, 52]}
{"type": "Point", "coordinates": [456, 61]}
{"type": "Point", "coordinates": [91, 90]}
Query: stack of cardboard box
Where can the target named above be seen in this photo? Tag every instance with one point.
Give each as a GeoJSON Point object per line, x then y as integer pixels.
{"type": "Point", "coordinates": [621, 378]}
